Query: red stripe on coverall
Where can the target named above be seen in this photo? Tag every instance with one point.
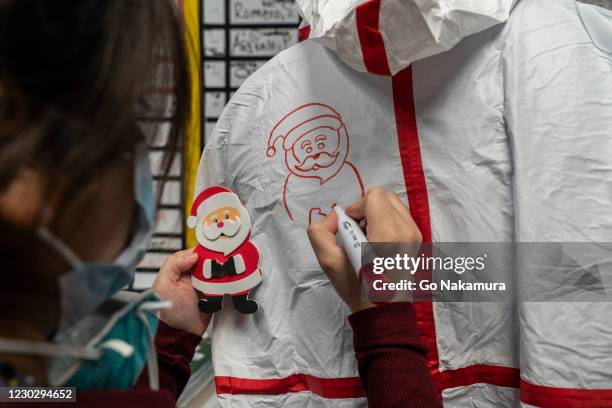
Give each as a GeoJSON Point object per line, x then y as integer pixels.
{"type": "Point", "coordinates": [372, 45]}
{"type": "Point", "coordinates": [545, 397]}
{"type": "Point", "coordinates": [303, 33]}
{"type": "Point", "coordinates": [348, 387]}
{"type": "Point", "coordinates": [416, 189]}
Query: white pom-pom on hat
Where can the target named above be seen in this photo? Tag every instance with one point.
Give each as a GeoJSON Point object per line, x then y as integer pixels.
{"type": "Point", "coordinates": [192, 221]}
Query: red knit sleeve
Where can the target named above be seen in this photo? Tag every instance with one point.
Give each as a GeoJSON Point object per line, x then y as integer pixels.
{"type": "Point", "coordinates": [175, 349]}
{"type": "Point", "coordinates": [391, 358]}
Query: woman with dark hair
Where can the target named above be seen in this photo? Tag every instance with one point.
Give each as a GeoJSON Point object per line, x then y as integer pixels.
{"type": "Point", "coordinates": [77, 204]}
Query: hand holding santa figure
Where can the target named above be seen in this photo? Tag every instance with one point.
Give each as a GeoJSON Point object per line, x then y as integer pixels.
{"type": "Point", "coordinates": [228, 262]}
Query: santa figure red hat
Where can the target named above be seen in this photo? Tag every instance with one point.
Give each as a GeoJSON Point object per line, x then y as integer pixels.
{"type": "Point", "coordinates": [228, 262]}
{"type": "Point", "coordinates": [208, 200]}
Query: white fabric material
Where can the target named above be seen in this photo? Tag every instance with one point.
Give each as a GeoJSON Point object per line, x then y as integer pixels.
{"type": "Point", "coordinates": [514, 126]}
{"type": "Point", "coordinates": [566, 148]}
{"type": "Point", "coordinates": [298, 400]}
{"type": "Point", "coordinates": [411, 30]}
{"type": "Point", "coordinates": [479, 395]}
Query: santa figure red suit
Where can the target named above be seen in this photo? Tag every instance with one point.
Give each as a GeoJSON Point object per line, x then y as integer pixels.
{"type": "Point", "coordinates": [316, 145]}
{"type": "Point", "coordinates": [228, 262]}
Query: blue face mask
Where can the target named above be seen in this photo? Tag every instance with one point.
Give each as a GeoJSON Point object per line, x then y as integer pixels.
{"type": "Point", "coordinates": [101, 342]}
{"type": "Point", "coordinates": [89, 284]}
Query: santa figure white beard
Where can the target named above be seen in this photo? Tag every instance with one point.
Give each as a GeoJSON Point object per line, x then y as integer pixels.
{"type": "Point", "coordinates": [227, 238]}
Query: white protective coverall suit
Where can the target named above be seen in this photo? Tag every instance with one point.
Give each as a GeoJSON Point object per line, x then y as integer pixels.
{"type": "Point", "coordinates": [504, 137]}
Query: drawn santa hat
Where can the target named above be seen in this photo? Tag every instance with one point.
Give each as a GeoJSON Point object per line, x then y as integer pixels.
{"type": "Point", "coordinates": [209, 200]}
{"type": "Point", "coordinates": [301, 121]}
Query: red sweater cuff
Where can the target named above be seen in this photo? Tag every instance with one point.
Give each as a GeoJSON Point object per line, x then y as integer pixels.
{"type": "Point", "coordinates": [176, 340]}
{"type": "Point", "coordinates": [386, 325]}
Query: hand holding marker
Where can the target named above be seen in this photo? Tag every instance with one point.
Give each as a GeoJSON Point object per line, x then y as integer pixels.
{"type": "Point", "coordinates": [350, 236]}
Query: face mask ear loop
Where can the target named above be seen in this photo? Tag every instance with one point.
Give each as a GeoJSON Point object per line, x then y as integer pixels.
{"type": "Point", "coordinates": [68, 254]}
{"type": "Point", "coordinates": [152, 367]}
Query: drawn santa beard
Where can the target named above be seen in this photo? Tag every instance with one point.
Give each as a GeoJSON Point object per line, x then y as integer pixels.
{"type": "Point", "coordinates": [323, 165]}
{"type": "Point", "coordinates": [209, 236]}
{"type": "Point", "coordinates": [318, 161]}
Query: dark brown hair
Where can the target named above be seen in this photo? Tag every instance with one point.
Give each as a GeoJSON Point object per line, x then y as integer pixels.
{"type": "Point", "coordinates": [75, 76]}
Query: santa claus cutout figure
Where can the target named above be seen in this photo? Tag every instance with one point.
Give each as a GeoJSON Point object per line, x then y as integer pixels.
{"type": "Point", "coordinates": [228, 262]}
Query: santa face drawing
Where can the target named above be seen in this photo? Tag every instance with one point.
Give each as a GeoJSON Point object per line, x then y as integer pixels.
{"type": "Point", "coordinates": [319, 153]}
{"type": "Point", "coordinates": [224, 229]}
{"type": "Point", "coordinates": [315, 142]}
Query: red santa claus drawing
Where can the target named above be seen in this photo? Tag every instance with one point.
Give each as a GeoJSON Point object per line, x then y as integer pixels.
{"type": "Point", "coordinates": [316, 145]}
{"type": "Point", "coordinates": [228, 262]}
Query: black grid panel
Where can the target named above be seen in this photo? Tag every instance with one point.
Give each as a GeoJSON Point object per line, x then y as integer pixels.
{"type": "Point", "coordinates": [168, 236]}
{"type": "Point", "coordinates": [238, 37]}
